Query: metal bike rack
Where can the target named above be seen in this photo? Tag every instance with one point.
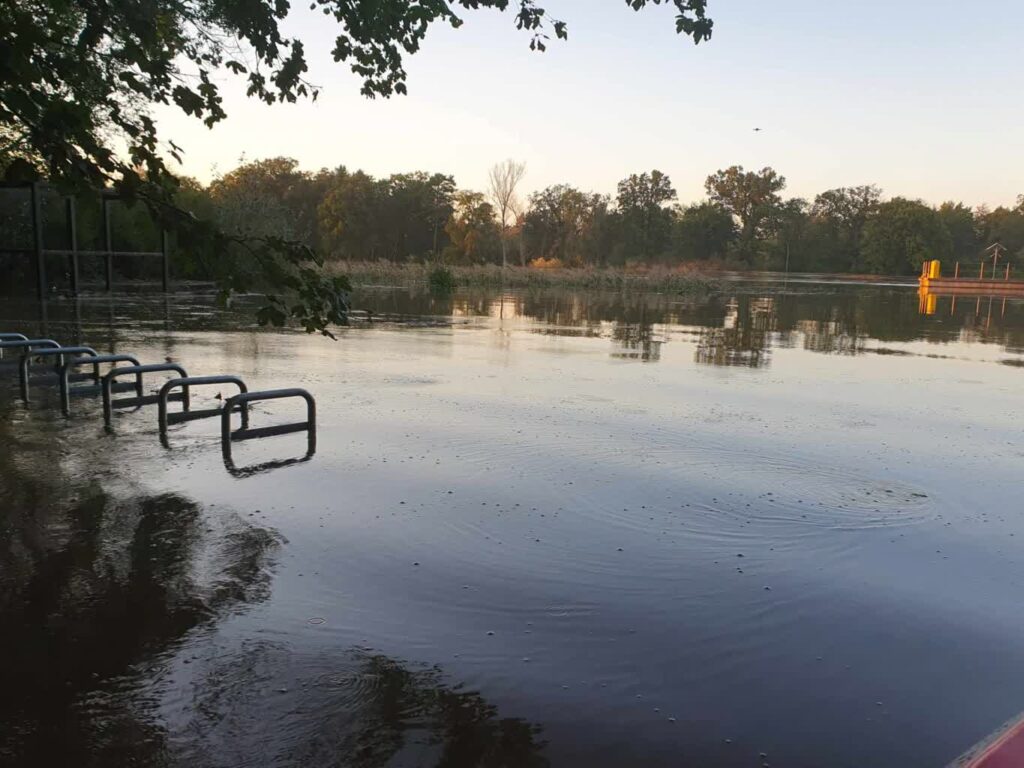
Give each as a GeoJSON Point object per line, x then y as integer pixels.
{"type": "Point", "coordinates": [139, 400]}
{"type": "Point", "coordinates": [23, 344]}
{"type": "Point", "coordinates": [59, 353]}
{"type": "Point", "coordinates": [68, 359]}
{"type": "Point", "coordinates": [66, 390]}
{"type": "Point", "coordinates": [11, 337]}
{"type": "Point", "coordinates": [227, 437]}
{"type": "Point", "coordinates": [164, 418]}
{"type": "Point", "coordinates": [28, 344]}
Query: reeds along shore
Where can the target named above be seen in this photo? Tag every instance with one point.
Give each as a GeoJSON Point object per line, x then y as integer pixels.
{"type": "Point", "coordinates": [664, 279]}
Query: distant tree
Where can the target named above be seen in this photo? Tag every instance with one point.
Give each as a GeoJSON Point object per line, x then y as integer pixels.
{"type": "Point", "coordinates": [902, 235]}
{"type": "Point", "coordinates": [79, 81]}
{"type": "Point", "coordinates": [1003, 225]}
{"type": "Point", "coordinates": [840, 216]}
{"type": "Point", "coordinates": [349, 216]}
{"type": "Point", "coordinates": [963, 230]}
{"type": "Point", "coordinates": [789, 237]}
{"type": "Point", "coordinates": [647, 223]}
{"type": "Point", "coordinates": [416, 206]}
{"type": "Point", "coordinates": [472, 230]}
{"type": "Point", "coordinates": [505, 178]}
{"type": "Point", "coordinates": [751, 197]}
{"type": "Point", "coordinates": [558, 223]}
{"type": "Point", "coordinates": [703, 231]}
{"type": "Point", "coordinates": [602, 232]}
{"type": "Point", "coordinates": [267, 197]}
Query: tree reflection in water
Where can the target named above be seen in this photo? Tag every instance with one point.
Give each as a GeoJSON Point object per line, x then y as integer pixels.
{"type": "Point", "coordinates": [105, 596]}
{"type": "Point", "coordinates": [744, 338]}
{"type": "Point", "coordinates": [96, 592]}
{"type": "Point", "coordinates": [263, 704]}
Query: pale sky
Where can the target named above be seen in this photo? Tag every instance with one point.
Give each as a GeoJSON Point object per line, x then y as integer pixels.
{"type": "Point", "coordinates": [923, 98]}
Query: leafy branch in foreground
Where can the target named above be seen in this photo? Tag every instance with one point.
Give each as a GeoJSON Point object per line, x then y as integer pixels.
{"type": "Point", "coordinates": [78, 80]}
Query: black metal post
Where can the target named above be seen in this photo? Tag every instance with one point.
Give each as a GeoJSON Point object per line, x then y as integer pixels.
{"type": "Point", "coordinates": [72, 224]}
{"type": "Point", "coordinates": [164, 251]}
{"type": "Point", "coordinates": [37, 241]}
{"type": "Point", "coordinates": [108, 245]}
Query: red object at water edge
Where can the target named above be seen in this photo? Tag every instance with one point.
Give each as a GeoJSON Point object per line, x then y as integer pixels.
{"type": "Point", "coordinates": [1004, 749]}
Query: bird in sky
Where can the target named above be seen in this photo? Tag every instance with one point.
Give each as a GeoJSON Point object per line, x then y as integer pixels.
{"type": "Point", "coordinates": [757, 130]}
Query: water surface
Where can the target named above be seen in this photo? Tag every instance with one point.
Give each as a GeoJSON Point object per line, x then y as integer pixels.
{"type": "Point", "coordinates": [540, 529]}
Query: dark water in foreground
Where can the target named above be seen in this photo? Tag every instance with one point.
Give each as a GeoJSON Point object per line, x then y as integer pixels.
{"type": "Point", "coordinates": [549, 529]}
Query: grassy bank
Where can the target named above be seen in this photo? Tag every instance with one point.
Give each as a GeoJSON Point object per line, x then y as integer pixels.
{"type": "Point", "coordinates": [662, 279]}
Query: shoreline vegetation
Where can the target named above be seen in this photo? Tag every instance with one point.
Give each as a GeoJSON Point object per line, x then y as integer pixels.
{"type": "Point", "coordinates": [400, 229]}
{"type": "Point", "coordinates": [687, 279]}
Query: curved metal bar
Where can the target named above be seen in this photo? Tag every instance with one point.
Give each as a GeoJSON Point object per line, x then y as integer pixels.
{"type": "Point", "coordinates": [29, 344]}
{"type": "Point", "coordinates": [59, 353]}
{"type": "Point", "coordinates": [186, 384]}
{"type": "Point", "coordinates": [11, 337]}
{"type": "Point", "coordinates": [65, 384]}
{"type": "Point", "coordinates": [227, 436]}
{"type": "Point", "coordinates": [139, 399]}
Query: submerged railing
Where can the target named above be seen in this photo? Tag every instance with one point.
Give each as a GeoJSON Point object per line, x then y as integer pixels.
{"type": "Point", "coordinates": [68, 358]}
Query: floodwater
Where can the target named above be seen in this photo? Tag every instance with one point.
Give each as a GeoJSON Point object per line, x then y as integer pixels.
{"type": "Point", "coordinates": [772, 526]}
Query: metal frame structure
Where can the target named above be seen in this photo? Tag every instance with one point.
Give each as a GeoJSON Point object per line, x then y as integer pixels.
{"type": "Point", "coordinates": [140, 399]}
{"type": "Point", "coordinates": [66, 390]}
{"type": "Point", "coordinates": [11, 337]}
{"type": "Point", "coordinates": [227, 437]}
{"type": "Point", "coordinates": [164, 418]}
{"type": "Point", "coordinates": [59, 352]}
{"type": "Point", "coordinates": [27, 345]}
{"type": "Point", "coordinates": [40, 252]}
{"type": "Point", "coordinates": [71, 357]}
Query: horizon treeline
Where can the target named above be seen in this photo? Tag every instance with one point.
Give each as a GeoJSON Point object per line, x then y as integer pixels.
{"type": "Point", "coordinates": [745, 221]}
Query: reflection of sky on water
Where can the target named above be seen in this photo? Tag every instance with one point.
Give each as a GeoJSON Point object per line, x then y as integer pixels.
{"type": "Point", "coordinates": [516, 541]}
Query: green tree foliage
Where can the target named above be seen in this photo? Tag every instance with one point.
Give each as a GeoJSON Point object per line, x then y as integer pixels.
{"type": "Point", "coordinates": [752, 197]}
{"type": "Point", "coordinates": [559, 224]}
{"type": "Point", "coordinates": [473, 232]}
{"type": "Point", "coordinates": [1003, 225]}
{"type": "Point", "coordinates": [78, 80]}
{"type": "Point", "coordinates": [270, 197]}
{"type": "Point", "coordinates": [416, 207]}
{"type": "Point", "coordinates": [703, 231]}
{"type": "Point", "coordinates": [902, 235]}
{"type": "Point", "coordinates": [959, 222]}
{"type": "Point", "coordinates": [839, 217]}
{"type": "Point", "coordinates": [788, 238]}
{"type": "Point", "coordinates": [646, 221]}
{"type": "Point", "coordinates": [349, 216]}
{"type": "Point", "coordinates": [398, 218]}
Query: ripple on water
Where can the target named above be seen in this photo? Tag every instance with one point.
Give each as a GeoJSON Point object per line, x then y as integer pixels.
{"type": "Point", "coordinates": [788, 490]}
